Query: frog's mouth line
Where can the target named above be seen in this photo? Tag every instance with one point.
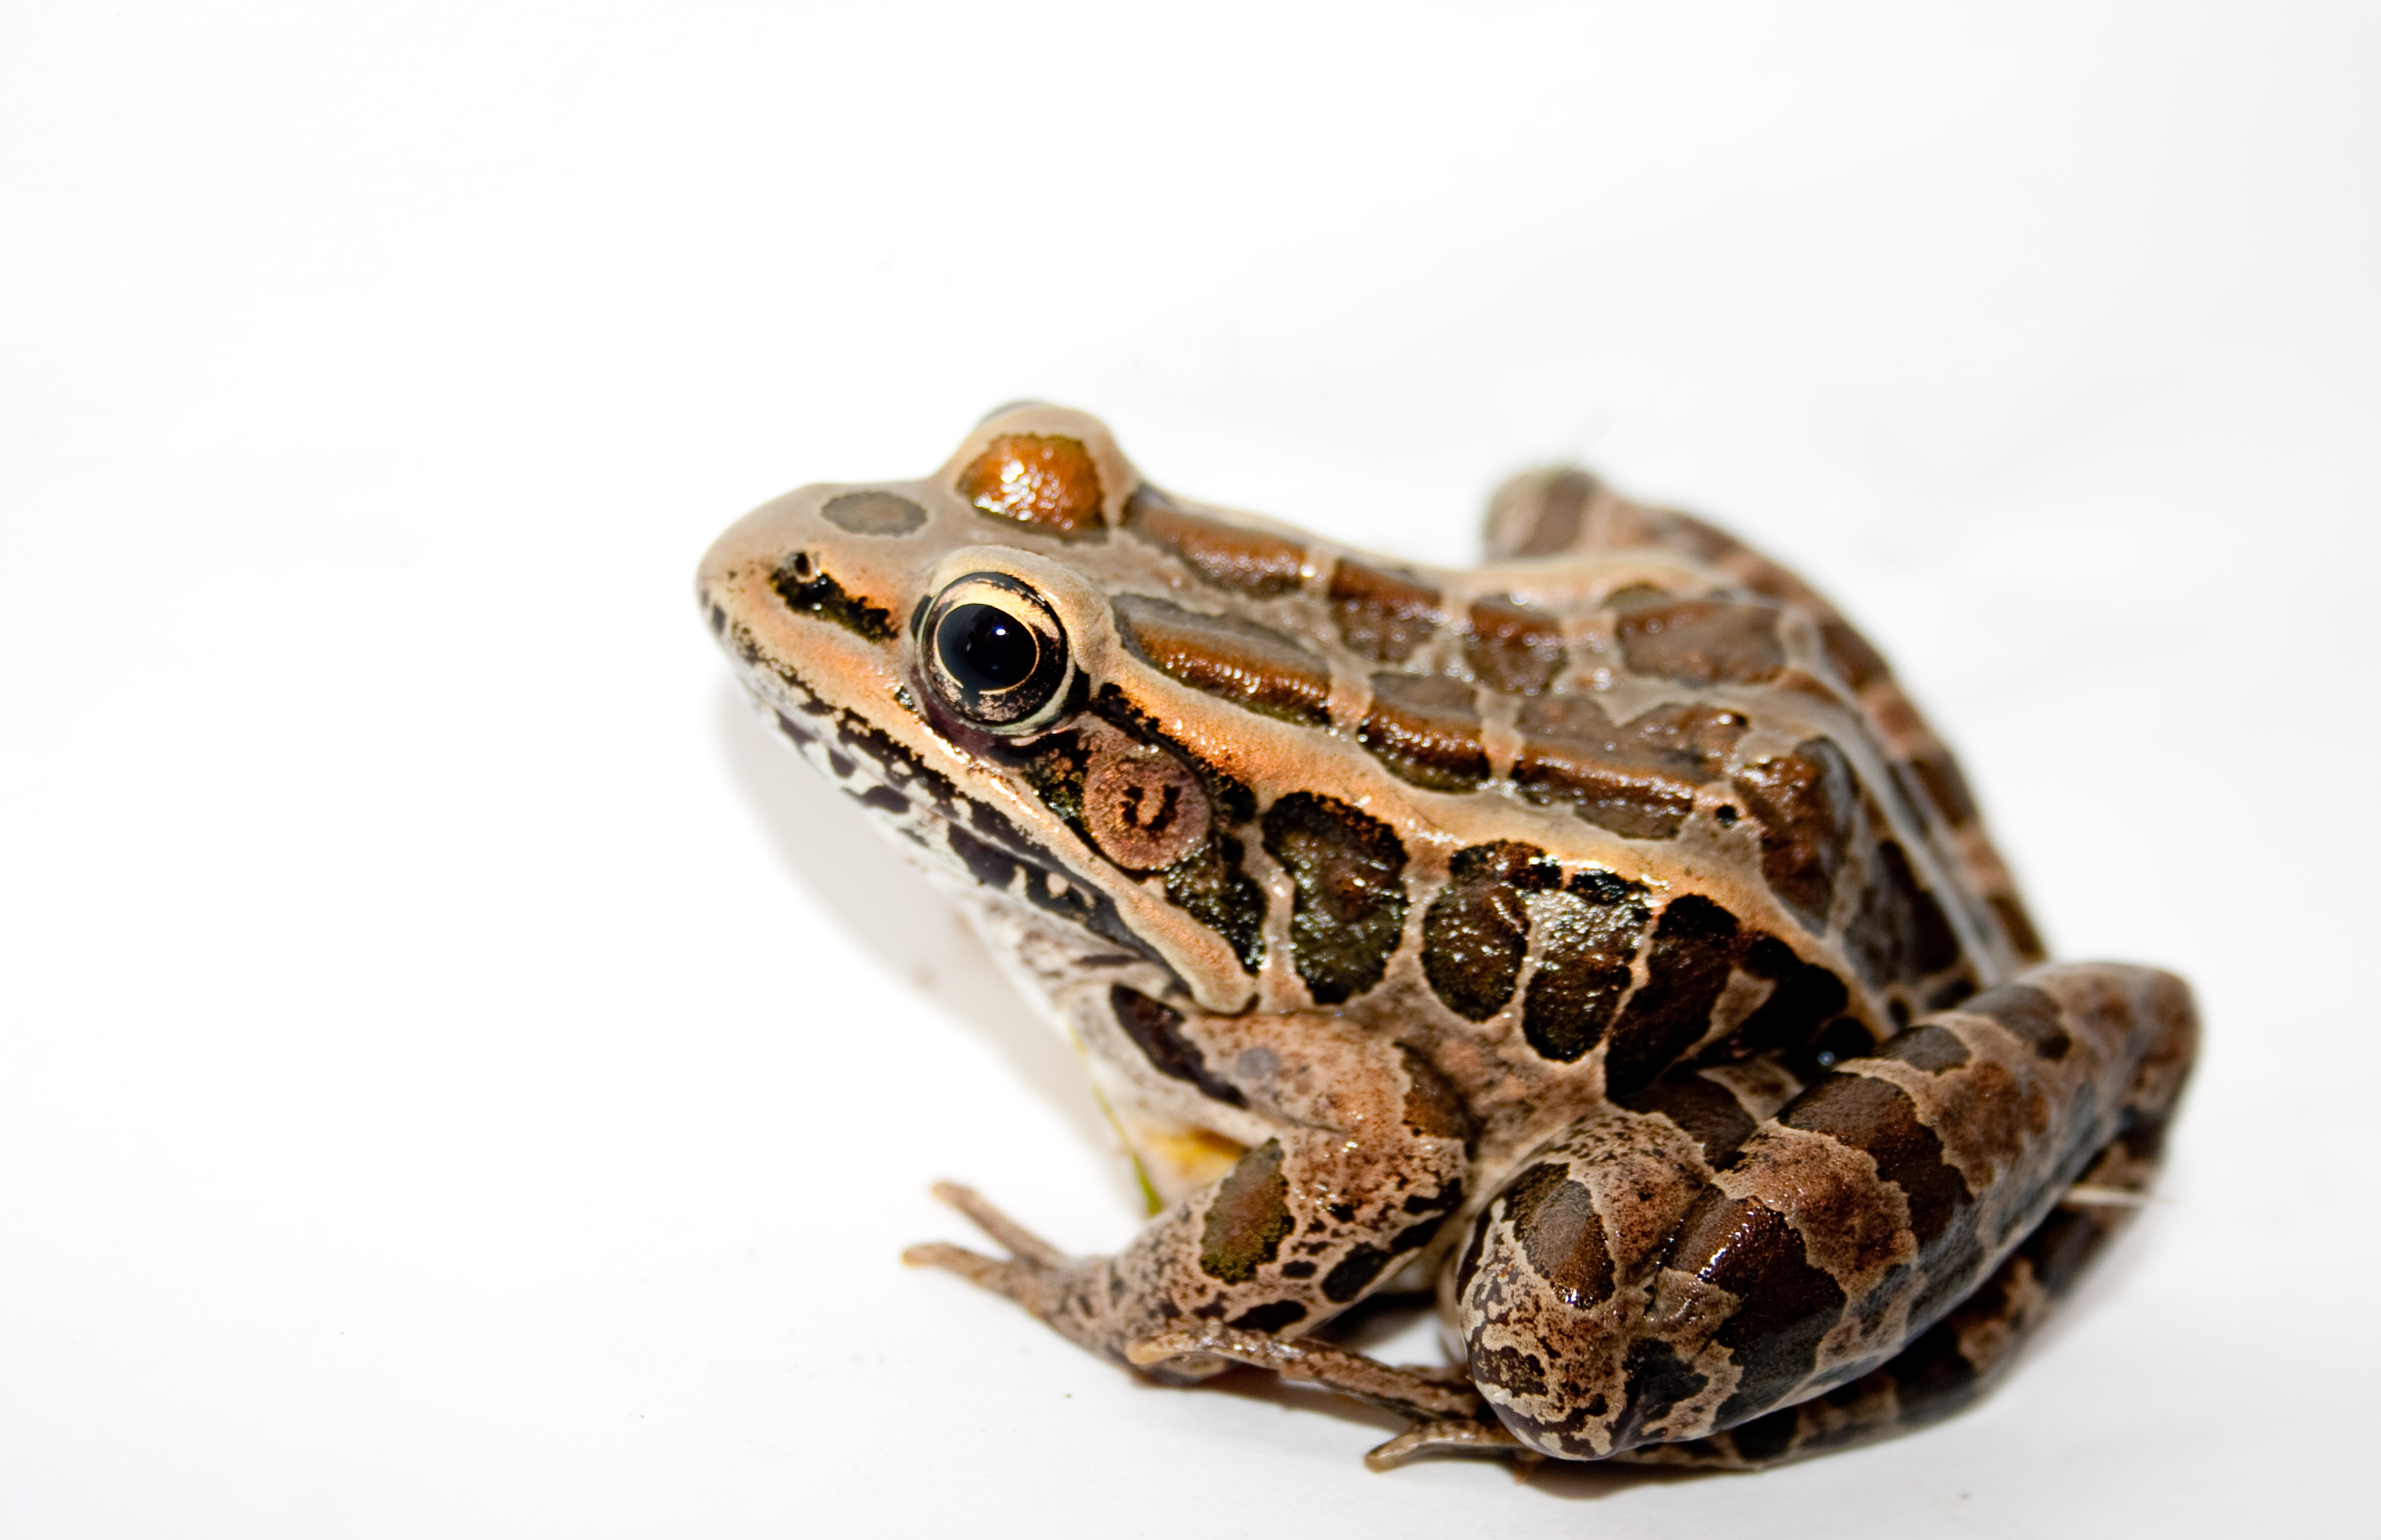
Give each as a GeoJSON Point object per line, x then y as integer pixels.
{"type": "Point", "coordinates": [964, 838]}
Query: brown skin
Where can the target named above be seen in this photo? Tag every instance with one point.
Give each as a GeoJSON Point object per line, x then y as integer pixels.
{"type": "Point", "coordinates": [1553, 924]}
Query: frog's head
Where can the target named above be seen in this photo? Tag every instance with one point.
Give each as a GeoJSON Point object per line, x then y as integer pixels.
{"type": "Point", "coordinates": [969, 656]}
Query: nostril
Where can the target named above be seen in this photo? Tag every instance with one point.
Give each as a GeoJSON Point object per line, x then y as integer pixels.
{"type": "Point", "coordinates": [803, 569]}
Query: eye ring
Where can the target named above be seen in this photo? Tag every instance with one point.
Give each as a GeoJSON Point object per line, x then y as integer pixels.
{"type": "Point", "coordinates": [993, 653]}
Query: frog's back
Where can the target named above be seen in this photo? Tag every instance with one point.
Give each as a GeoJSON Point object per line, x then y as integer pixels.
{"type": "Point", "coordinates": [1627, 794]}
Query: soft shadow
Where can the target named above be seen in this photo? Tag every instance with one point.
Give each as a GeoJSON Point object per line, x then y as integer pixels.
{"type": "Point", "coordinates": [892, 913]}
{"type": "Point", "coordinates": [1567, 1481]}
{"type": "Point", "coordinates": [1381, 1319]}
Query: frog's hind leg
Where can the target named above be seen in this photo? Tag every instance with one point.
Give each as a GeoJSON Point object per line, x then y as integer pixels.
{"type": "Point", "coordinates": [1842, 1271]}
{"type": "Point", "coordinates": [1955, 1361]}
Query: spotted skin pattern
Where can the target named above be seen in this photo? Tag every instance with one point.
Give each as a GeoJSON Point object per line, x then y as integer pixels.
{"type": "Point", "coordinates": [1599, 934]}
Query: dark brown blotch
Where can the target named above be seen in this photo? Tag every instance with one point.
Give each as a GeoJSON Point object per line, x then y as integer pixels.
{"type": "Point", "coordinates": [1900, 934]}
{"type": "Point", "coordinates": [1702, 642]}
{"type": "Point", "coordinates": [1638, 778]}
{"type": "Point", "coordinates": [1555, 1220]}
{"type": "Point", "coordinates": [1248, 1218]}
{"type": "Point", "coordinates": [1785, 1305]}
{"type": "Point", "coordinates": [1512, 647]}
{"type": "Point", "coordinates": [1509, 1370]}
{"type": "Point", "coordinates": [1878, 1117]}
{"type": "Point", "coordinates": [2029, 1013]}
{"type": "Point", "coordinates": [1703, 1110]}
{"type": "Point", "coordinates": [1855, 662]}
{"type": "Point", "coordinates": [1695, 944]}
{"type": "Point", "coordinates": [1249, 561]}
{"type": "Point", "coordinates": [1585, 945]}
{"type": "Point", "coordinates": [1803, 997]}
{"type": "Point", "coordinates": [1209, 886]}
{"type": "Point", "coordinates": [1540, 515]}
{"type": "Point", "coordinates": [1349, 911]}
{"type": "Point", "coordinates": [1250, 665]}
{"type": "Point", "coordinates": [1271, 1317]}
{"type": "Point", "coordinates": [1805, 801]}
{"type": "Point", "coordinates": [1931, 1048]}
{"type": "Point", "coordinates": [1477, 931]}
{"type": "Point", "coordinates": [1047, 480]}
{"type": "Point", "coordinates": [2018, 925]}
{"type": "Point", "coordinates": [1382, 615]}
{"type": "Point", "coordinates": [1156, 1029]}
{"type": "Point", "coordinates": [1946, 786]}
{"type": "Point", "coordinates": [1658, 1379]}
{"type": "Point", "coordinates": [1426, 729]}
{"type": "Point", "coordinates": [1432, 1107]}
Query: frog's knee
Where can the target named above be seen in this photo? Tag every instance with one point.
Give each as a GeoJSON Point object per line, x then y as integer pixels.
{"type": "Point", "coordinates": [1552, 1291]}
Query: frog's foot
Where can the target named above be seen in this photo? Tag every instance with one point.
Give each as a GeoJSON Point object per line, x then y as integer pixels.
{"type": "Point", "coordinates": [1029, 1275]}
{"type": "Point", "coordinates": [1448, 1416]}
{"type": "Point", "coordinates": [1456, 1436]}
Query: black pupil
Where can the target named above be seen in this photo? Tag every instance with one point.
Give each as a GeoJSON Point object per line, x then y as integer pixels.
{"type": "Point", "coordinates": [986, 649]}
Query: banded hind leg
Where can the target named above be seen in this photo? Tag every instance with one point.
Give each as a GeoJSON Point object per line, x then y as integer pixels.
{"type": "Point", "coordinates": [1956, 1361]}
{"type": "Point", "coordinates": [1888, 1237]}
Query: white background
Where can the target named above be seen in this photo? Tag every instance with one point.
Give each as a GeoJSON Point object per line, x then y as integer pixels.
{"type": "Point", "coordinates": [458, 1077]}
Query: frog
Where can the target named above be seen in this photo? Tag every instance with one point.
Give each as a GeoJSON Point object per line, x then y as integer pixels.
{"type": "Point", "coordinates": [1596, 941]}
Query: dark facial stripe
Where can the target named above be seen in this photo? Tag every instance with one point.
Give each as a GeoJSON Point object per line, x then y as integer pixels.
{"type": "Point", "coordinates": [1063, 897]}
{"type": "Point", "coordinates": [809, 590]}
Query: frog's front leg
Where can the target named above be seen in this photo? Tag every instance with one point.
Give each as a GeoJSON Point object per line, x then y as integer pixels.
{"type": "Point", "coordinates": [1369, 1151]}
{"type": "Point", "coordinates": [1634, 1286]}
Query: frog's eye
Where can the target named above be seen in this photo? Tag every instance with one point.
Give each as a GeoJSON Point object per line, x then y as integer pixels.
{"type": "Point", "coordinates": [995, 654]}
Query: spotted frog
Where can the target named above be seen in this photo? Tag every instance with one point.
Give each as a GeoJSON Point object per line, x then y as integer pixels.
{"type": "Point", "coordinates": [1598, 936]}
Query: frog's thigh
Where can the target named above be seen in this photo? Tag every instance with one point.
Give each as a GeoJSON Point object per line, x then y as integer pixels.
{"type": "Point", "coordinates": [1365, 1164]}
{"type": "Point", "coordinates": [1603, 1310]}
{"type": "Point", "coordinates": [1951, 1363]}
